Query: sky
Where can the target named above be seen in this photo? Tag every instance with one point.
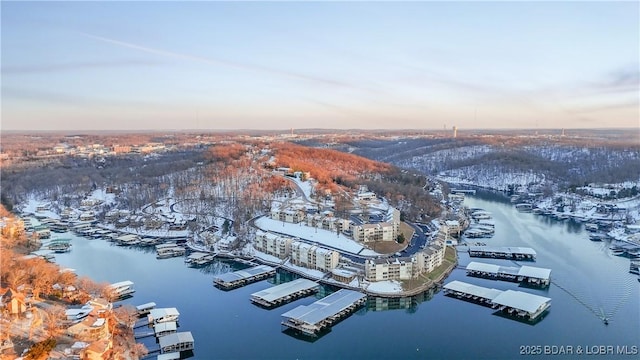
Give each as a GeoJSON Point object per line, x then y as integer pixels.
{"type": "Point", "coordinates": [156, 65]}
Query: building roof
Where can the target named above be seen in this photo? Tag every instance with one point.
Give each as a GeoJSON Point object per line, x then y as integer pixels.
{"type": "Point", "coordinates": [282, 290]}
{"type": "Point", "coordinates": [175, 338]}
{"type": "Point", "coordinates": [475, 290]}
{"type": "Point", "coordinates": [325, 307]}
{"type": "Point", "coordinates": [165, 326]}
{"type": "Point", "coordinates": [521, 300]}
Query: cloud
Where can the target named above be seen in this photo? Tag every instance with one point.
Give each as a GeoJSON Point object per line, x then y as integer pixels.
{"type": "Point", "coordinates": [79, 101]}
{"type": "Point", "coordinates": [50, 68]}
{"type": "Point", "coordinates": [232, 64]}
{"type": "Point", "coordinates": [625, 79]}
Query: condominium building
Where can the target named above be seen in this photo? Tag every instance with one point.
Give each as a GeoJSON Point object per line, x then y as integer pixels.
{"type": "Point", "coordinates": [313, 257]}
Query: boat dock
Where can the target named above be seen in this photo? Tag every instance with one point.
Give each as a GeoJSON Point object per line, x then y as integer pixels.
{"type": "Point", "coordinates": [284, 293]}
{"type": "Point", "coordinates": [199, 259]}
{"type": "Point", "coordinates": [162, 315]}
{"type": "Point", "coordinates": [165, 328]}
{"type": "Point", "coordinates": [176, 342]}
{"type": "Point", "coordinates": [145, 308]}
{"type": "Point", "coordinates": [240, 278]}
{"type": "Point", "coordinates": [503, 252]}
{"type": "Point", "coordinates": [322, 314]}
{"type": "Point", "coordinates": [514, 303]}
{"type": "Point", "coordinates": [121, 289]}
{"type": "Point", "coordinates": [525, 274]}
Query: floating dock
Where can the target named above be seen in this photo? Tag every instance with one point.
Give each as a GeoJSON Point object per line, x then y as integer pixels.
{"type": "Point", "coordinates": [322, 314]}
{"type": "Point", "coordinates": [240, 278]}
{"type": "Point", "coordinates": [284, 293]}
{"type": "Point", "coordinates": [163, 315]}
{"type": "Point", "coordinates": [525, 274]}
{"type": "Point", "coordinates": [500, 252]}
{"type": "Point", "coordinates": [515, 303]}
{"type": "Point", "coordinates": [470, 292]}
{"type": "Point", "coordinates": [145, 308]}
{"type": "Point", "coordinates": [176, 342]}
{"type": "Point", "coordinates": [165, 328]}
{"type": "Point", "coordinates": [198, 259]}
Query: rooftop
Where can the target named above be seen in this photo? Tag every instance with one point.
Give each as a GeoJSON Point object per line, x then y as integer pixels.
{"type": "Point", "coordinates": [325, 307]}
{"type": "Point", "coordinates": [282, 290]}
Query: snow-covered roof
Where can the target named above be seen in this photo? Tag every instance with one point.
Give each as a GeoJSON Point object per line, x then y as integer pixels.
{"type": "Point", "coordinates": [325, 307]}
{"type": "Point", "coordinates": [521, 300]}
{"type": "Point", "coordinates": [475, 290]}
{"type": "Point", "coordinates": [282, 290]}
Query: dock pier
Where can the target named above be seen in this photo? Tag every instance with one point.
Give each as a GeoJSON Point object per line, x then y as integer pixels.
{"type": "Point", "coordinates": [311, 319]}
{"type": "Point", "coordinates": [284, 293]}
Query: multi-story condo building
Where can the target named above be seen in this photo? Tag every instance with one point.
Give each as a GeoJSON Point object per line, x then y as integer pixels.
{"type": "Point", "coordinates": [313, 257]}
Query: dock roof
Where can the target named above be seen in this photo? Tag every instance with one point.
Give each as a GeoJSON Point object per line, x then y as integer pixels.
{"type": "Point", "coordinates": [521, 300]}
{"type": "Point", "coordinates": [504, 249]}
{"type": "Point", "coordinates": [165, 326]}
{"type": "Point", "coordinates": [282, 290]}
{"type": "Point", "coordinates": [474, 290]}
{"type": "Point", "coordinates": [246, 273]}
{"type": "Point", "coordinates": [535, 272]}
{"type": "Point", "coordinates": [325, 307]}
{"type": "Point", "coordinates": [121, 284]}
{"type": "Point", "coordinates": [528, 271]}
{"type": "Point", "coordinates": [162, 312]}
{"type": "Point", "coordinates": [175, 339]}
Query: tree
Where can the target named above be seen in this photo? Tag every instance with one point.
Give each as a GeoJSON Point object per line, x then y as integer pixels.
{"type": "Point", "coordinates": [54, 320]}
{"type": "Point", "coordinates": [400, 239]}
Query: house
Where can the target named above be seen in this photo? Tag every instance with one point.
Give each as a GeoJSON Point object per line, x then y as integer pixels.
{"type": "Point", "coordinates": [97, 350]}
{"type": "Point", "coordinates": [92, 328]}
{"type": "Point", "coordinates": [13, 302]}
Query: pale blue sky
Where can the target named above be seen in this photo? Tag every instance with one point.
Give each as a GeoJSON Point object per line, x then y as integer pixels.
{"type": "Point", "coordinates": [277, 65]}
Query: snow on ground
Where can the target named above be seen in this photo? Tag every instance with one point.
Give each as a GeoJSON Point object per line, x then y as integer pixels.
{"type": "Point", "coordinates": [314, 274]}
{"type": "Point", "coordinates": [322, 237]}
{"type": "Point", "coordinates": [32, 205]}
{"type": "Point", "coordinates": [385, 287]}
{"type": "Point", "coordinates": [101, 194]}
{"type": "Point", "coordinates": [266, 257]}
{"type": "Point", "coordinates": [305, 186]}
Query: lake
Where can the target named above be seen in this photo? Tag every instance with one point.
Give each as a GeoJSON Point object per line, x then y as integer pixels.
{"type": "Point", "coordinates": [587, 284]}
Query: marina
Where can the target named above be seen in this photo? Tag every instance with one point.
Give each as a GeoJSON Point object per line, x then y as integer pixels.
{"type": "Point", "coordinates": [240, 278]}
{"type": "Point", "coordinates": [284, 293]}
{"type": "Point", "coordinates": [312, 319]}
{"type": "Point", "coordinates": [525, 274]}
{"type": "Point", "coordinates": [513, 303]}
{"type": "Point", "coordinates": [503, 252]}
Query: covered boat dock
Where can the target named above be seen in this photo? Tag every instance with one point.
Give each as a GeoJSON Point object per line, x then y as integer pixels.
{"type": "Point", "coordinates": [514, 303]}
{"type": "Point", "coordinates": [521, 304]}
{"type": "Point", "coordinates": [470, 292]}
{"type": "Point", "coordinates": [503, 252]}
{"type": "Point", "coordinates": [175, 342]}
{"type": "Point", "coordinates": [525, 274]}
{"type": "Point", "coordinates": [322, 314]}
{"type": "Point", "coordinates": [240, 278]}
{"type": "Point", "coordinates": [285, 293]}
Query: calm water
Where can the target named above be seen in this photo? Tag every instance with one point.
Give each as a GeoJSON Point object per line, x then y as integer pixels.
{"type": "Point", "coordinates": [587, 280]}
